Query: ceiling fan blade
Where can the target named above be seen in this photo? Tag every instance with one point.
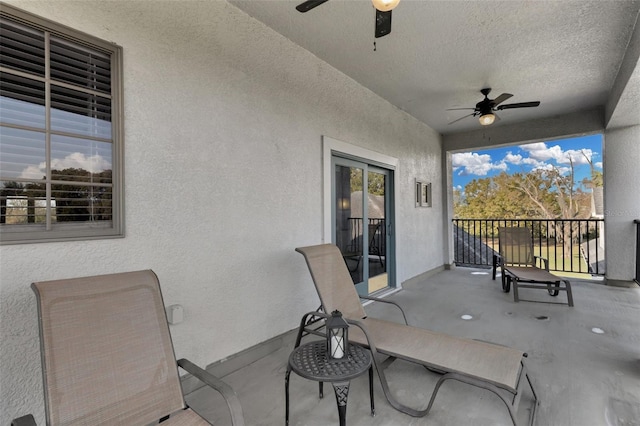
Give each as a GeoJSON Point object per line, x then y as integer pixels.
{"type": "Point", "coordinates": [460, 109]}
{"type": "Point", "coordinates": [500, 99]}
{"type": "Point", "coordinates": [308, 5]}
{"type": "Point", "coordinates": [519, 105]}
{"type": "Point", "coordinates": [455, 121]}
{"type": "Point", "coordinates": [383, 23]}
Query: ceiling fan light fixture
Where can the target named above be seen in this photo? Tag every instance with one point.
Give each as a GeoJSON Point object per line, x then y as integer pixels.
{"type": "Point", "coordinates": [487, 119]}
{"type": "Point", "coordinates": [385, 5]}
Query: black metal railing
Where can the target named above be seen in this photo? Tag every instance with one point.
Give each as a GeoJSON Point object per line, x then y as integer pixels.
{"type": "Point", "coordinates": [637, 278]}
{"type": "Point", "coordinates": [377, 236]}
{"type": "Point", "coordinates": [570, 245]}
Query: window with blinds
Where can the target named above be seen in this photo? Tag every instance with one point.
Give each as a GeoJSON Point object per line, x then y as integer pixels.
{"type": "Point", "coordinates": [60, 132]}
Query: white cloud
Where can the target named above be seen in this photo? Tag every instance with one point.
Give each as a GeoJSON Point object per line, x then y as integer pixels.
{"type": "Point", "coordinates": [540, 152]}
{"type": "Point", "coordinates": [77, 160]}
{"type": "Point", "coordinates": [598, 164]}
{"type": "Point", "coordinates": [580, 157]}
{"type": "Point", "coordinates": [513, 158]}
{"type": "Point", "coordinates": [548, 167]}
{"type": "Point", "coordinates": [33, 172]}
{"type": "Point", "coordinates": [518, 160]}
{"type": "Point", "coordinates": [475, 164]}
{"type": "Point", "coordinates": [533, 162]}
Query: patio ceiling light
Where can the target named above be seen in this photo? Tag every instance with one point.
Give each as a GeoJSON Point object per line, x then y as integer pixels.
{"type": "Point", "coordinates": [487, 119]}
{"type": "Point", "coordinates": [385, 5]}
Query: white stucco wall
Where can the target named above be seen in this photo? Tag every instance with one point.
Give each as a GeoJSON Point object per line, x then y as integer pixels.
{"type": "Point", "coordinates": [621, 200]}
{"type": "Point", "coordinates": [223, 161]}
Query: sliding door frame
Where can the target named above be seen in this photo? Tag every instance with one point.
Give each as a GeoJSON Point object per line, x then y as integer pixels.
{"type": "Point", "coordinates": [333, 147]}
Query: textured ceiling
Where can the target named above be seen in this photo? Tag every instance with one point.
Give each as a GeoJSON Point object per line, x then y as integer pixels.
{"type": "Point", "coordinates": [565, 54]}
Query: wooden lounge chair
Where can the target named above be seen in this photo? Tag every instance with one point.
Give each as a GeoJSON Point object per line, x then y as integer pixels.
{"type": "Point", "coordinates": [518, 265]}
{"type": "Point", "coordinates": [498, 369]}
{"type": "Point", "coordinates": [107, 356]}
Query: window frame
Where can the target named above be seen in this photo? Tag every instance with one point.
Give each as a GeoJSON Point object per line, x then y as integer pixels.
{"type": "Point", "coordinates": [70, 231]}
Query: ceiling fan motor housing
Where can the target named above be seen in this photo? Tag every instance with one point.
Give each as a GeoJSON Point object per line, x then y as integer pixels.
{"type": "Point", "coordinates": [484, 107]}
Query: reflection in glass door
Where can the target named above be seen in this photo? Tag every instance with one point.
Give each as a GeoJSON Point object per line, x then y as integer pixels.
{"type": "Point", "coordinates": [376, 225]}
{"type": "Point", "coordinates": [361, 194]}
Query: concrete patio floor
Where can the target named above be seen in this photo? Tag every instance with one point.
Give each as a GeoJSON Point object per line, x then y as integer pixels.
{"type": "Point", "coordinates": [582, 377]}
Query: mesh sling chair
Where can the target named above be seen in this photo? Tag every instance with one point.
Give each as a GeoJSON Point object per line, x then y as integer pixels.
{"type": "Point", "coordinates": [498, 369]}
{"type": "Point", "coordinates": [107, 355]}
{"type": "Point", "coordinates": [517, 263]}
{"type": "Point", "coordinates": [376, 247]}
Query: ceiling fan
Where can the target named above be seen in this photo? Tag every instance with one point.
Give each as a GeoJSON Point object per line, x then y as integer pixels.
{"type": "Point", "coordinates": [383, 13]}
{"type": "Point", "coordinates": [485, 108]}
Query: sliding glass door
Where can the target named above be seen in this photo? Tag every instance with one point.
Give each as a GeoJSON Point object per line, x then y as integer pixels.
{"type": "Point", "coordinates": [362, 212]}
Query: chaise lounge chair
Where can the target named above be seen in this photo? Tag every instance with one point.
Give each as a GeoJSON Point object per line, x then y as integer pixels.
{"type": "Point", "coordinates": [518, 265]}
{"type": "Point", "coordinates": [498, 369]}
{"type": "Point", "coordinates": [107, 356]}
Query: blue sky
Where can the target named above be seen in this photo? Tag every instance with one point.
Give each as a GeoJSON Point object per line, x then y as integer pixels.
{"type": "Point", "coordinates": [468, 166]}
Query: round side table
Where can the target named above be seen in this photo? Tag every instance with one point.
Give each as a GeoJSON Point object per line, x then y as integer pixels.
{"type": "Point", "coordinates": [312, 362]}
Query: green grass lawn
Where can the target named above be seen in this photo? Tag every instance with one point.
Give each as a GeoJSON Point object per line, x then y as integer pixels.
{"type": "Point", "coordinates": [556, 261]}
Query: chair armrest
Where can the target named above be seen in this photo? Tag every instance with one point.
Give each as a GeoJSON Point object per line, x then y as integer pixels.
{"type": "Point", "coordinates": [544, 261]}
{"type": "Point", "coordinates": [232, 400]}
{"type": "Point", "coordinates": [377, 299]}
{"type": "Point", "coordinates": [27, 420]}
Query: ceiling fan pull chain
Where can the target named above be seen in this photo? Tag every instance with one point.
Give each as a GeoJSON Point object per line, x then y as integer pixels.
{"type": "Point", "coordinates": [374, 46]}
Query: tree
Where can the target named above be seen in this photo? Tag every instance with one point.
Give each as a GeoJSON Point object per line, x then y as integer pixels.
{"type": "Point", "coordinates": [541, 193]}
{"type": "Point", "coordinates": [81, 202]}
{"type": "Point", "coordinates": [504, 196]}
{"type": "Point", "coordinates": [375, 181]}
{"type": "Point", "coordinates": [78, 199]}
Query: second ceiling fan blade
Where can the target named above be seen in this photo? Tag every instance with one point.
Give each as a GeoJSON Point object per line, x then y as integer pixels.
{"type": "Point", "coordinates": [309, 4]}
{"type": "Point", "coordinates": [500, 99]}
{"type": "Point", "coordinates": [383, 23]}
{"type": "Point", "coordinates": [461, 118]}
{"type": "Point", "coordinates": [519, 105]}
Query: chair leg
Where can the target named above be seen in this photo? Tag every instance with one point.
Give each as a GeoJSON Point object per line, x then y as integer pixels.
{"type": "Point", "coordinates": [506, 283]}
{"type": "Point", "coordinates": [469, 381]}
{"type": "Point", "coordinates": [532, 418]}
{"type": "Point", "coordinates": [514, 281]}
{"type": "Point", "coordinates": [495, 266]}
{"type": "Point", "coordinates": [373, 408]}
{"type": "Point", "coordinates": [567, 285]}
{"type": "Point", "coordinates": [286, 397]}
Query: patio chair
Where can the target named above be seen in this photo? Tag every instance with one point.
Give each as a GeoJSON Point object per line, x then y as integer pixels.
{"type": "Point", "coordinates": [496, 368]}
{"type": "Point", "coordinates": [518, 265]}
{"type": "Point", "coordinates": [374, 249]}
{"type": "Point", "coordinates": [107, 355]}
